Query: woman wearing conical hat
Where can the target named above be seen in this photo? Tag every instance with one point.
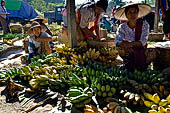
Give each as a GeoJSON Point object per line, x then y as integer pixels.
{"type": "Point", "coordinates": [132, 35]}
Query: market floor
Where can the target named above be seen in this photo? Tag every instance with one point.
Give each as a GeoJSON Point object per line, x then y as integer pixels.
{"type": "Point", "coordinates": [8, 107]}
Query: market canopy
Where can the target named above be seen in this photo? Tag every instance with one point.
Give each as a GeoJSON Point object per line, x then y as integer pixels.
{"type": "Point", "coordinates": [18, 8]}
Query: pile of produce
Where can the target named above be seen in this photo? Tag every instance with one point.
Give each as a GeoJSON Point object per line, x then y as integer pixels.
{"type": "Point", "coordinates": [91, 85]}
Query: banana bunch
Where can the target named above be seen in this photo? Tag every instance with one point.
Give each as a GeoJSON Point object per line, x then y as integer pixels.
{"type": "Point", "coordinates": [64, 51]}
{"type": "Point", "coordinates": [149, 77]}
{"type": "Point", "coordinates": [10, 42]}
{"type": "Point", "coordinates": [104, 90]}
{"type": "Point", "coordinates": [140, 87]}
{"type": "Point", "coordinates": [80, 97]}
{"type": "Point", "coordinates": [160, 90]}
{"type": "Point", "coordinates": [132, 97]}
{"type": "Point", "coordinates": [78, 59]}
{"type": "Point", "coordinates": [114, 107]}
{"type": "Point", "coordinates": [27, 74]}
{"type": "Point", "coordinates": [92, 54]}
{"type": "Point", "coordinates": [39, 82]}
{"type": "Point", "coordinates": [156, 103]}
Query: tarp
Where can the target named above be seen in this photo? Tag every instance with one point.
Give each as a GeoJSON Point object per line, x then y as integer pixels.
{"type": "Point", "coordinates": [26, 11]}
{"type": "Point", "coordinates": [13, 4]}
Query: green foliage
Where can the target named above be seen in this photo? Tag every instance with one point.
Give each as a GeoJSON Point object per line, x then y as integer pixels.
{"type": "Point", "coordinates": [10, 36]}
{"type": "Point", "coordinates": [51, 6]}
{"type": "Point", "coordinates": [40, 5]}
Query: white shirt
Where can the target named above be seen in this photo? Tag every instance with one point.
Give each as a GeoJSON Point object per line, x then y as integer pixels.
{"type": "Point", "coordinates": [126, 33]}
{"type": "Point", "coordinates": [36, 43]}
{"type": "Point", "coordinates": [87, 15]}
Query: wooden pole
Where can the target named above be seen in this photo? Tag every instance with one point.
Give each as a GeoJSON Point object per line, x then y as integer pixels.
{"type": "Point", "coordinates": [71, 20]}
{"type": "Point", "coordinates": [156, 16]}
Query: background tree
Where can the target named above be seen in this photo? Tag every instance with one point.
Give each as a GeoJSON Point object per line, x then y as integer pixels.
{"type": "Point", "coordinates": [40, 5]}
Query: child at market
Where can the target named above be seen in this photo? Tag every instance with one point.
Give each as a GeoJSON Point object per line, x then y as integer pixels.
{"type": "Point", "coordinates": [38, 41]}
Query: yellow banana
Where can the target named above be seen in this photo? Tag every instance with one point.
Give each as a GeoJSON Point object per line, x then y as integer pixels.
{"type": "Point", "coordinates": [161, 88]}
{"type": "Point", "coordinates": [156, 98]}
{"type": "Point", "coordinates": [154, 107]}
{"type": "Point", "coordinates": [75, 56]}
{"type": "Point", "coordinates": [137, 97]}
{"type": "Point", "coordinates": [167, 110]}
{"type": "Point", "coordinates": [148, 103]}
{"type": "Point", "coordinates": [162, 109]}
{"type": "Point", "coordinates": [163, 102]}
{"type": "Point", "coordinates": [152, 111]}
{"type": "Point", "coordinates": [168, 99]}
{"type": "Point", "coordinates": [148, 96]}
{"type": "Point", "coordinates": [112, 105]}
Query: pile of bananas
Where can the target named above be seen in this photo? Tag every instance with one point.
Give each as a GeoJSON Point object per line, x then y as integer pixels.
{"type": "Point", "coordinates": [115, 107]}
{"type": "Point", "coordinates": [92, 54]}
{"type": "Point", "coordinates": [149, 77]}
{"type": "Point", "coordinates": [132, 97]}
{"type": "Point", "coordinates": [65, 51]}
{"type": "Point", "coordinates": [139, 87]}
{"type": "Point", "coordinates": [108, 56]}
{"type": "Point", "coordinates": [80, 97]}
{"type": "Point", "coordinates": [157, 104]}
{"type": "Point", "coordinates": [27, 74]}
{"type": "Point", "coordinates": [43, 81]}
{"type": "Point", "coordinates": [11, 42]}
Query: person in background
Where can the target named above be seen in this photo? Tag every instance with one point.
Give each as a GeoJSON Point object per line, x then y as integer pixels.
{"type": "Point", "coordinates": [131, 37]}
{"type": "Point", "coordinates": [165, 9]}
{"type": "Point", "coordinates": [37, 37]}
{"type": "Point", "coordinates": [106, 23]}
{"type": "Point", "coordinates": [64, 14]}
{"type": "Point", "coordinates": [86, 13]}
{"type": "Point", "coordinates": [4, 18]}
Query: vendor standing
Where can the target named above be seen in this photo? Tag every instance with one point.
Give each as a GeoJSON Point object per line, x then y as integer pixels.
{"type": "Point", "coordinates": [132, 35]}
{"type": "Point", "coordinates": [4, 18]}
{"type": "Point", "coordinates": [87, 13]}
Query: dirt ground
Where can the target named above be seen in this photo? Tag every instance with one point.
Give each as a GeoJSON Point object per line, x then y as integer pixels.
{"type": "Point", "coordinates": [8, 107]}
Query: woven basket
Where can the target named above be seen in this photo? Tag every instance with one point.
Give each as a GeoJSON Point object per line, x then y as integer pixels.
{"type": "Point", "coordinates": [162, 60]}
{"type": "Point", "coordinates": [16, 28]}
{"type": "Point", "coordinates": [101, 44]}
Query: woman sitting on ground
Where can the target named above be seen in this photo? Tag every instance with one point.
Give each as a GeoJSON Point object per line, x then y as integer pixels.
{"type": "Point", "coordinates": [38, 41]}
{"type": "Point", "coordinates": [132, 35]}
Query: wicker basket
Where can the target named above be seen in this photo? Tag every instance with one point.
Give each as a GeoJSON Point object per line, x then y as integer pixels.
{"type": "Point", "coordinates": [16, 28]}
{"type": "Point", "coordinates": [162, 60]}
{"type": "Point", "coordinates": [101, 44]}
